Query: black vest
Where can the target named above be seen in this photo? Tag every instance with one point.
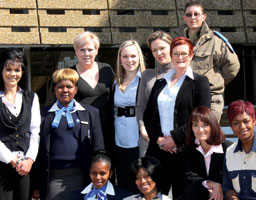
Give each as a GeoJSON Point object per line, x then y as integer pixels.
{"type": "Point", "coordinates": [16, 136]}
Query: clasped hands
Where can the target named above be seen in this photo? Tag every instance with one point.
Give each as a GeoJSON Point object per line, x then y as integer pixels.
{"type": "Point", "coordinates": [166, 143]}
{"type": "Point", "coordinates": [23, 166]}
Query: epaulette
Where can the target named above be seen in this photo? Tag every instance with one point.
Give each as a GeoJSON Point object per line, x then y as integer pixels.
{"type": "Point", "coordinates": [225, 40]}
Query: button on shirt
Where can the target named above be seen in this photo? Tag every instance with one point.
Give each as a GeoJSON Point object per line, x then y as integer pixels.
{"type": "Point", "coordinates": [5, 154]}
{"type": "Point", "coordinates": [167, 98]}
{"type": "Point", "coordinates": [240, 171]}
{"type": "Point", "coordinates": [126, 128]}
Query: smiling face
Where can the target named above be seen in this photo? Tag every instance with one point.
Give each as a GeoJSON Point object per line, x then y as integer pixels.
{"type": "Point", "coordinates": [86, 54]}
{"type": "Point", "coordinates": [181, 57]}
{"type": "Point", "coordinates": [194, 17]}
{"type": "Point", "coordinates": [130, 58]}
{"type": "Point", "coordinates": [243, 127]}
{"type": "Point", "coordinates": [161, 51]}
{"type": "Point", "coordinates": [99, 174]}
{"type": "Point", "coordinates": [145, 183]}
{"type": "Point", "coordinates": [65, 90]}
{"type": "Point", "coordinates": [12, 75]}
{"type": "Point", "coordinates": [201, 130]}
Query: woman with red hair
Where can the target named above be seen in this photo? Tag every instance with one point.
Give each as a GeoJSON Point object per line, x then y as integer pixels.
{"type": "Point", "coordinates": [239, 176]}
{"type": "Point", "coordinates": [171, 101]}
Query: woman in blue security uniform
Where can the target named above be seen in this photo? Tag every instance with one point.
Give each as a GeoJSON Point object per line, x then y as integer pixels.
{"type": "Point", "coordinates": [70, 135]}
{"type": "Point", "coordinates": [19, 126]}
{"type": "Point", "coordinates": [130, 64]}
{"type": "Point", "coordinates": [100, 187]}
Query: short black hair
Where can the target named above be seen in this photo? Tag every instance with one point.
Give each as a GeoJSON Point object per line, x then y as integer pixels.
{"type": "Point", "coordinates": [151, 165]}
{"type": "Point", "coordinates": [14, 56]}
{"type": "Point", "coordinates": [195, 3]}
{"type": "Point", "coordinates": [101, 157]}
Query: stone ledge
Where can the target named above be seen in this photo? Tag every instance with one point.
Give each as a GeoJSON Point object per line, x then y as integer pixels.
{"type": "Point", "coordinates": [9, 37]}
{"type": "Point", "coordinates": [72, 4]}
{"type": "Point", "coordinates": [143, 19]}
{"type": "Point", "coordinates": [142, 4]}
{"type": "Point", "coordinates": [17, 4]}
{"type": "Point", "coordinates": [8, 19]}
{"type": "Point", "coordinates": [74, 18]}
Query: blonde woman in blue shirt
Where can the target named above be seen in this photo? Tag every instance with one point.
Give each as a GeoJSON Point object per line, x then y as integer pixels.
{"type": "Point", "coordinates": [130, 64]}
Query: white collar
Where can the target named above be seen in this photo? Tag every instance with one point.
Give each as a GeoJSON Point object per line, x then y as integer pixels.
{"type": "Point", "coordinates": [55, 107]}
{"type": "Point", "coordinates": [189, 73]}
{"type": "Point", "coordinates": [109, 190]}
{"type": "Point", "coordinates": [19, 91]}
{"type": "Point", "coordinates": [213, 149]}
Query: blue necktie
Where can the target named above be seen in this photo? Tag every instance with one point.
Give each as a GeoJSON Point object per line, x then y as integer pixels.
{"type": "Point", "coordinates": [99, 193]}
{"type": "Point", "coordinates": [67, 110]}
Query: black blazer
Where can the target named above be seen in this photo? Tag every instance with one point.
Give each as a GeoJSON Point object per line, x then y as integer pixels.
{"type": "Point", "coordinates": [195, 170]}
{"type": "Point", "coordinates": [193, 92]}
{"type": "Point", "coordinates": [120, 193]}
{"type": "Point", "coordinates": [195, 165]}
{"type": "Point", "coordinates": [89, 145]}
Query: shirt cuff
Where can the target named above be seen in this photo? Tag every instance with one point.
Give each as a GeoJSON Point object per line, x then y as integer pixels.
{"type": "Point", "coordinates": [204, 183]}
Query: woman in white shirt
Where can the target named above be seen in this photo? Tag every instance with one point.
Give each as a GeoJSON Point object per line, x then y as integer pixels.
{"type": "Point", "coordinates": [130, 64]}
{"type": "Point", "coordinates": [204, 152]}
{"type": "Point", "coordinates": [170, 103]}
{"type": "Point", "coordinates": [19, 126]}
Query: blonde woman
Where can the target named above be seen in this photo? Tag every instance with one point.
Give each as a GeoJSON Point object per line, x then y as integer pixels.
{"type": "Point", "coordinates": [95, 79]}
{"type": "Point", "coordinates": [130, 64]}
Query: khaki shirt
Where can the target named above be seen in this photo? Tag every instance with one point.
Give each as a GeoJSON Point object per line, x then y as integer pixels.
{"type": "Point", "coordinates": [212, 58]}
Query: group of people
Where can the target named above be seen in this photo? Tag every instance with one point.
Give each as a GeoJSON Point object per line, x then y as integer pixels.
{"type": "Point", "coordinates": [153, 132]}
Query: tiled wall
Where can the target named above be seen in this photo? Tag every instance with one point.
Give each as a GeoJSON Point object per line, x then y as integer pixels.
{"type": "Point", "coordinates": [59, 21]}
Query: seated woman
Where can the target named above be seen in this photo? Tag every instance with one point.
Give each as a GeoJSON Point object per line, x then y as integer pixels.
{"type": "Point", "coordinates": [204, 155]}
{"type": "Point", "coordinates": [239, 180]}
{"type": "Point", "coordinates": [70, 135]}
{"type": "Point", "coordinates": [100, 187]}
{"type": "Point", "coordinates": [146, 172]}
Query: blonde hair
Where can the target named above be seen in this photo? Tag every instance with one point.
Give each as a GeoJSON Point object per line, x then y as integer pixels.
{"type": "Point", "coordinates": [65, 74]}
{"type": "Point", "coordinates": [120, 72]}
{"type": "Point", "coordinates": [85, 37]}
{"type": "Point", "coordinates": [159, 35]}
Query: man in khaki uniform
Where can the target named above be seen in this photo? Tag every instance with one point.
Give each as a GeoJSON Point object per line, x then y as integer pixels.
{"type": "Point", "coordinates": [213, 57]}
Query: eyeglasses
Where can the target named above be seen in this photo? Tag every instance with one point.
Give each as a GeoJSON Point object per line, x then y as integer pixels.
{"type": "Point", "coordinates": [191, 14]}
{"type": "Point", "coordinates": [183, 55]}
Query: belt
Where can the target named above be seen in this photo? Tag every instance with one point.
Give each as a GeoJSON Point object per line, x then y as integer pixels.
{"type": "Point", "coordinates": [127, 111]}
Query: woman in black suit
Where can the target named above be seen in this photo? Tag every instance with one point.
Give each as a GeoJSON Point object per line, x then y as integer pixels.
{"type": "Point", "coordinates": [171, 101]}
{"type": "Point", "coordinates": [70, 135]}
{"type": "Point", "coordinates": [204, 156]}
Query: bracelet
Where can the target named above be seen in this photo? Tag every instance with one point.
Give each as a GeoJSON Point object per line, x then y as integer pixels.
{"type": "Point", "coordinates": [18, 161]}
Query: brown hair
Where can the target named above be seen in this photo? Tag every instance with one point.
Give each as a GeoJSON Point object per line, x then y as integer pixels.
{"type": "Point", "coordinates": [195, 3]}
{"type": "Point", "coordinates": [159, 35]}
{"type": "Point", "coordinates": [206, 115]}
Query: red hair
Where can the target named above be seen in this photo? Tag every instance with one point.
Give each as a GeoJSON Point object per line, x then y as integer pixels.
{"type": "Point", "coordinates": [239, 107]}
{"type": "Point", "coordinates": [181, 41]}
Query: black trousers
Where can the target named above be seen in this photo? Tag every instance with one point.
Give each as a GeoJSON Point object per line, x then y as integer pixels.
{"type": "Point", "coordinates": [173, 170]}
{"type": "Point", "coordinates": [123, 159]}
{"type": "Point", "coordinates": [12, 185]}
